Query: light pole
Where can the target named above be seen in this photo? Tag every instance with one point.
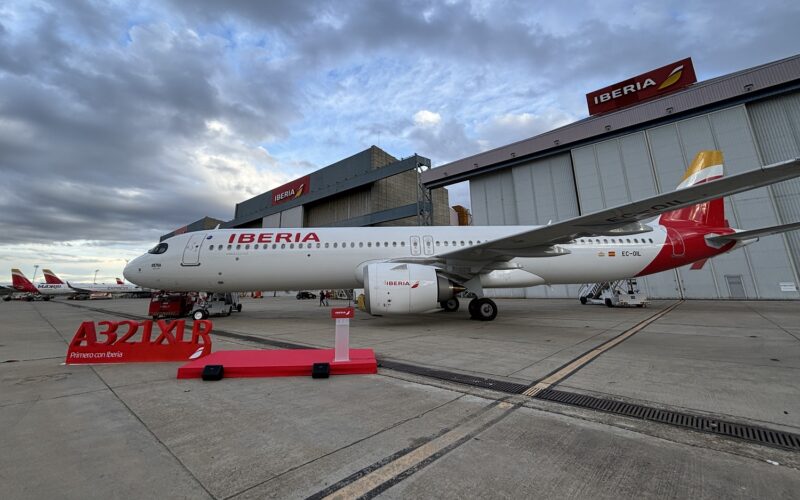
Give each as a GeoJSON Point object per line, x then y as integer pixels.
{"type": "Point", "coordinates": [94, 280]}
{"type": "Point", "coordinates": [35, 270]}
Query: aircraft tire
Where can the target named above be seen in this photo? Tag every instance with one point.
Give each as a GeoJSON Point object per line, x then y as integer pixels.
{"type": "Point", "coordinates": [238, 308]}
{"type": "Point", "coordinates": [450, 305]}
{"type": "Point", "coordinates": [584, 300]}
{"type": "Point", "coordinates": [609, 303]}
{"type": "Point", "coordinates": [483, 309]}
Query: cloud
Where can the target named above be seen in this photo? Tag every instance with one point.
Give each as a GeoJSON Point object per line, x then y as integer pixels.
{"type": "Point", "coordinates": [122, 121]}
{"type": "Point", "coordinates": [424, 118]}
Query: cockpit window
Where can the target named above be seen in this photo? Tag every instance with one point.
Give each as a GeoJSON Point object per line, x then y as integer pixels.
{"type": "Point", "coordinates": [158, 249]}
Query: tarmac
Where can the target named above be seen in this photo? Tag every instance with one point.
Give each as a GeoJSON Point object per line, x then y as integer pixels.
{"type": "Point", "coordinates": [135, 431]}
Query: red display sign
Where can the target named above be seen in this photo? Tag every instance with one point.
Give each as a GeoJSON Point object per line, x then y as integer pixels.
{"type": "Point", "coordinates": [640, 88]}
{"type": "Point", "coordinates": [291, 191]}
{"type": "Point", "coordinates": [138, 341]}
{"type": "Point", "coordinates": [342, 312]}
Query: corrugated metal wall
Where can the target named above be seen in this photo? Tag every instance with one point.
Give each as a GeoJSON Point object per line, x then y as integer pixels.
{"type": "Point", "coordinates": [644, 163]}
{"type": "Point", "coordinates": [776, 124]}
{"type": "Point", "coordinates": [532, 193]}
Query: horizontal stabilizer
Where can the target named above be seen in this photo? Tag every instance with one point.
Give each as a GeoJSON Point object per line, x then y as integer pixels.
{"type": "Point", "coordinates": [753, 233]}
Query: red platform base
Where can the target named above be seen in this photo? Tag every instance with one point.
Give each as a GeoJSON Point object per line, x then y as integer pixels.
{"type": "Point", "coordinates": [280, 363]}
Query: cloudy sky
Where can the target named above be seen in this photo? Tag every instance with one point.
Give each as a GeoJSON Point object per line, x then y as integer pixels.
{"type": "Point", "coordinates": [120, 121]}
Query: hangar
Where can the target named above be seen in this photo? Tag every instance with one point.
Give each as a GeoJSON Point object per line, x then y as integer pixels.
{"type": "Point", "coordinates": [620, 155]}
{"type": "Point", "coordinates": [370, 188]}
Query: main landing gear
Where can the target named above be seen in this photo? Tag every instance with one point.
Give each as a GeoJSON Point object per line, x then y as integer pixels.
{"type": "Point", "coordinates": [482, 309]}
{"type": "Point", "coordinates": [450, 305]}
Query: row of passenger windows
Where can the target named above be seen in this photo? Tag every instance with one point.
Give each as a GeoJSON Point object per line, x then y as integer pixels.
{"type": "Point", "coordinates": [615, 241]}
{"type": "Point", "coordinates": [274, 246]}
{"type": "Point", "coordinates": [361, 244]}
{"type": "Point", "coordinates": [386, 244]}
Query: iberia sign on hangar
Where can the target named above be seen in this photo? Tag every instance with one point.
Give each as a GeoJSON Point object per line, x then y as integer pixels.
{"type": "Point", "coordinates": [646, 86]}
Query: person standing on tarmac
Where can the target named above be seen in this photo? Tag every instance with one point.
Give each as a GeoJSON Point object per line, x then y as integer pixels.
{"type": "Point", "coordinates": [327, 296]}
{"type": "Point", "coordinates": [322, 298]}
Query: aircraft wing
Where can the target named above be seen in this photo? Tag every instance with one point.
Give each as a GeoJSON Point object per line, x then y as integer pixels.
{"type": "Point", "coordinates": [617, 221]}
{"type": "Point", "coordinates": [79, 289]}
{"type": "Point", "coordinates": [753, 233]}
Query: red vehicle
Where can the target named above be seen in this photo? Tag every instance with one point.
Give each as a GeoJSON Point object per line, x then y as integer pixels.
{"type": "Point", "coordinates": [170, 305]}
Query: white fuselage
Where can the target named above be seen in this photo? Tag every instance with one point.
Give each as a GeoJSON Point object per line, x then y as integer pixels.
{"type": "Point", "coordinates": [54, 289]}
{"type": "Point", "coordinates": [306, 258]}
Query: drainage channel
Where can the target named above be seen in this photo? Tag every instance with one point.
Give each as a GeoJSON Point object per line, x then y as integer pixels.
{"type": "Point", "coordinates": [750, 433]}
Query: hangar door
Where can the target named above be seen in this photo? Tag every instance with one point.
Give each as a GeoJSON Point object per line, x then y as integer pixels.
{"type": "Point", "coordinates": [532, 193]}
{"type": "Point", "coordinates": [776, 125]}
{"type": "Point", "coordinates": [637, 165]}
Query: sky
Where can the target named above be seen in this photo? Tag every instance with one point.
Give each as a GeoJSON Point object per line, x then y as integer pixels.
{"type": "Point", "coordinates": [121, 121]}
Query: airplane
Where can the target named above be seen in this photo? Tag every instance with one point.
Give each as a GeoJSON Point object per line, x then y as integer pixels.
{"type": "Point", "coordinates": [118, 287]}
{"type": "Point", "coordinates": [420, 269]}
{"type": "Point", "coordinates": [42, 291]}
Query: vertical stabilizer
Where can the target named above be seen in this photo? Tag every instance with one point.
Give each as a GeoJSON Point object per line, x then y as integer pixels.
{"type": "Point", "coordinates": [51, 278]}
{"type": "Point", "coordinates": [21, 283]}
{"type": "Point", "coordinates": [707, 166]}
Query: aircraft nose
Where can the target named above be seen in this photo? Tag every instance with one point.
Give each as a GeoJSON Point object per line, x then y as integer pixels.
{"type": "Point", "coordinates": [133, 271]}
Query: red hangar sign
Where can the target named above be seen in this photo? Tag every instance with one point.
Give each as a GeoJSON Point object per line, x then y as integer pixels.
{"type": "Point", "coordinates": [290, 191]}
{"type": "Point", "coordinates": [640, 88]}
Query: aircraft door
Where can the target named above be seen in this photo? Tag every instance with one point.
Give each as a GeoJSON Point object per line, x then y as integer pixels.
{"type": "Point", "coordinates": [676, 241]}
{"type": "Point", "coordinates": [427, 244]}
{"type": "Point", "coordinates": [415, 249]}
{"type": "Point", "coordinates": [191, 254]}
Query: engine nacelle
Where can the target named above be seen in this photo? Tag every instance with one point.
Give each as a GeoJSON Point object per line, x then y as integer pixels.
{"type": "Point", "coordinates": [405, 288]}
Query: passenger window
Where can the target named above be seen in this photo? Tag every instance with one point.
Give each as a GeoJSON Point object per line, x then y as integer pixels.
{"type": "Point", "coordinates": [651, 240]}
{"type": "Point", "coordinates": [255, 247]}
{"type": "Point", "coordinates": [283, 245]}
{"type": "Point", "coordinates": [274, 246]}
{"type": "Point", "coordinates": [318, 245]}
{"type": "Point", "coordinates": [360, 244]}
{"type": "Point", "coordinates": [211, 247]}
{"type": "Point", "coordinates": [247, 247]}
{"type": "Point", "coordinates": [369, 244]}
{"type": "Point", "coordinates": [438, 243]}
{"type": "Point", "coordinates": [462, 243]}
{"type": "Point", "coordinates": [238, 247]}
{"type": "Point", "coordinates": [386, 243]}
{"type": "Point", "coordinates": [454, 243]}
{"type": "Point", "coordinates": [335, 245]}
{"type": "Point", "coordinates": [230, 246]}
{"type": "Point", "coordinates": [470, 242]}
{"type": "Point", "coordinates": [352, 244]}
{"type": "Point", "coordinates": [445, 243]}
{"type": "Point", "coordinates": [299, 245]}
{"type": "Point", "coordinates": [394, 243]}
{"type": "Point", "coordinates": [327, 245]}
{"type": "Point", "coordinates": [402, 243]}
{"type": "Point", "coordinates": [219, 247]}
{"type": "Point", "coordinates": [291, 245]}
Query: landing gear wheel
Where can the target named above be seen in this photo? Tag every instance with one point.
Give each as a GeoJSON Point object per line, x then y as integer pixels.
{"type": "Point", "coordinates": [239, 308]}
{"type": "Point", "coordinates": [450, 305]}
{"type": "Point", "coordinates": [230, 310]}
{"type": "Point", "coordinates": [583, 300]}
{"type": "Point", "coordinates": [609, 303]}
{"type": "Point", "coordinates": [483, 309]}
{"type": "Point", "coordinates": [200, 314]}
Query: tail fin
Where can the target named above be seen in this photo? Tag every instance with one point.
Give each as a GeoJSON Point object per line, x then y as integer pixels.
{"type": "Point", "coordinates": [120, 282]}
{"type": "Point", "coordinates": [21, 283]}
{"type": "Point", "coordinates": [51, 278]}
{"type": "Point", "coordinates": [707, 166]}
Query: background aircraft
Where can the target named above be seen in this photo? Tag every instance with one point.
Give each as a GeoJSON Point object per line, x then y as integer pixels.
{"type": "Point", "coordinates": [418, 269]}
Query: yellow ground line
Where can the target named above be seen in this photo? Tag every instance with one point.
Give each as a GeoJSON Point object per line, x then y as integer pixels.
{"type": "Point", "coordinates": [589, 356]}
{"type": "Point", "coordinates": [393, 469]}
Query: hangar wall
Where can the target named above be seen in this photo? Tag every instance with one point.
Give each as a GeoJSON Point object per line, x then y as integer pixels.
{"type": "Point", "coordinates": [653, 160]}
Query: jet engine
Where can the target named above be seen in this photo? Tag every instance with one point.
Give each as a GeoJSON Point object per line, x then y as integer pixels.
{"type": "Point", "coordinates": [405, 288]}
